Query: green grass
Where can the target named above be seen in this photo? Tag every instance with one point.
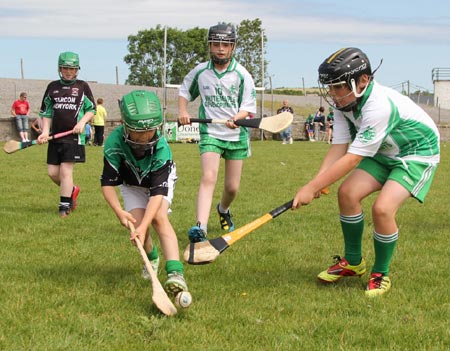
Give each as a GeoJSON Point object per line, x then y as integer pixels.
{"type": "Point", "coordinates": [75, 284]}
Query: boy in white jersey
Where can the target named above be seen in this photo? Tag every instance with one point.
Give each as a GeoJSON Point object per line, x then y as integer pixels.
{"type": "Point", "coordinates": [387, 144]}
{"type": "Point", "coordinates": [227, 92]}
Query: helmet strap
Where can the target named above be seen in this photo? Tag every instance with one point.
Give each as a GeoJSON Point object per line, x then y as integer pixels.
{"type": "Point", "coordinates": [224, 61]}
{"type": "Point", "coordinates": [354, 88]}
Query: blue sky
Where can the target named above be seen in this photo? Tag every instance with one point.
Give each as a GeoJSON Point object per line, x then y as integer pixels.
{"type": "Point", "coordinates": [412, 38]}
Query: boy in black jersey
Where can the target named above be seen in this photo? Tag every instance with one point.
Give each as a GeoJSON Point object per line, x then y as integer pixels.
{"type": "Point", "coordinates": [68, 104]}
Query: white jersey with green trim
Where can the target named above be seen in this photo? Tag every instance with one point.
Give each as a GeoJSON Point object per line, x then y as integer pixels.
{"type": "Point", "coordinates": [388, 124]}
{"type": "Point", "coordinates": [223, 95]}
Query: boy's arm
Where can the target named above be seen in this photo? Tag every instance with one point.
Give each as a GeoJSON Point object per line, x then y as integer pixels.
{"type": "Point", "coordinates": [337, 164]}
{"type": "Point", "coordinates": [183, 115]}
{"type": "Point", "coordinates": [79, 127]}
{"type": "Point", "coordinates": [110, 195]}
{"type": "Point", "coordinates": [152, 208]}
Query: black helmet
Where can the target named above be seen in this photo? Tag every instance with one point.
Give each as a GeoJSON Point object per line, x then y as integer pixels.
{"type": "Point", "coordinates": [222, 33]}
{"type": "Point", "coordinates": [345, 66]}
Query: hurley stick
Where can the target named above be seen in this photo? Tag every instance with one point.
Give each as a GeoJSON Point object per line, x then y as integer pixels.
{"type": "Point", "coordinates": [13, 146]}
{"type": "Point", "coordinates": [159, 296]}
{"type": "Point", "coordinates": [207, 251]}
{"type": "Point", "coordinates": [272, 124]}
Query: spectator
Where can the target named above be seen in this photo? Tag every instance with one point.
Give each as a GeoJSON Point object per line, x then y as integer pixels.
{"type": "Point", "coordinates": [20, 110]}
{"type": "Point", "coordinates": [286, 135]}
{"type": "Point", "coordinates": [37, 125]}
{"type": "Point", "coordinates": [98, 122]}
{"type": "Point", "coordinates": [227, 93]}
{"type": "Point", "coordinates": [309, 127]}
{"type": "Point", "coordinates": [330, 121]}
{"type": "Point", "coordinates": [88, 134]}
{"type": "Point", "coordinates": [319, 122]}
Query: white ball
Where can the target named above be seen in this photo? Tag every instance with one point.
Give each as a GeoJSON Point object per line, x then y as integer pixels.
{"type": "Point", "coordinates": [183, 299]}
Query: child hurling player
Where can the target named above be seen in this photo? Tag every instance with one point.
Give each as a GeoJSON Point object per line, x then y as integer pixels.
{"type": "Point", "coordinates": [227, 92]}
{"type": "Point", "coordinates": [68, 104]}
{"type": "Point", "coordinates": [138, 159]}
{"type": "Point", "coordinates": [387, 144]}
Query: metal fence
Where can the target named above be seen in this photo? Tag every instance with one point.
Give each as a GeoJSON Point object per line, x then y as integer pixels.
{"type": "Point", "coordinates": [440, 73]}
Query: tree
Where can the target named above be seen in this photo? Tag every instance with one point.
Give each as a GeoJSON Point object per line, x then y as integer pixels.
{"type": "Point", "coordinates": [250, 50]}
{"type": "Point", "coordinates": [146, 58]}
{"type": "Point", "coordinates": [185, 49]}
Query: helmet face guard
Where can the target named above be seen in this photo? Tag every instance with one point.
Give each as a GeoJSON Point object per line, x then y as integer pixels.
{"type": "Point", "coordinates": [222, 33]}
{"type": "Point", "coordinates": [68, 60]}
{"type": "Point", "coordinates": [343, 69]}
{"type": "Point", "coordinates": [142, 149]}
{"type": "Point", "coordinates": [141, 112]}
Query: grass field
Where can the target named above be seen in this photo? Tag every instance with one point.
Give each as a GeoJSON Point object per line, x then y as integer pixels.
{"type": "Point", "coordinates": [75, 283]}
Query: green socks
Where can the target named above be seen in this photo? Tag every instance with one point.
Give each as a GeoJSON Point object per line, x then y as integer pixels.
{"type": "Point", "coordinates": [153, 255]}
{"type": "Point", "coordinates": [384, 246]}
{"type": "Point", "coordinates": [171, 265]}
{"type": "Point", "coordinates": [352, 228]}
{"type": "Point", "coordinates": [174, 266]}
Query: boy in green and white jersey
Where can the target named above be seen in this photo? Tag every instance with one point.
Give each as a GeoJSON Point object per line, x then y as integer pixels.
{"type": "Point", "coordinates": [388, 144]}
{"type": "Point", "coordinates": [138, 160]}
{"type": "Point", "coordinates": [227, 92]}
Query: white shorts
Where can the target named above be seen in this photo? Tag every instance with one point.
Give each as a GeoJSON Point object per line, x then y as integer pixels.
{"type": "Point", "coordinates": [137, 197]}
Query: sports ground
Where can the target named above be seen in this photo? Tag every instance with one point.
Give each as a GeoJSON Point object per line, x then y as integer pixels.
{"type": "Point", "coordinates": [75, 283]}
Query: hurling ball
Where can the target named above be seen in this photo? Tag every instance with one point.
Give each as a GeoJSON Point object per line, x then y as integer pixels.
{"type": "Point", "coordinates": [183, 299]}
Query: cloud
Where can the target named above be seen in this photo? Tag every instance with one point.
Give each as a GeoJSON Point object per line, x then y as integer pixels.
{"type": "Point", "coordinates": [283, 21]}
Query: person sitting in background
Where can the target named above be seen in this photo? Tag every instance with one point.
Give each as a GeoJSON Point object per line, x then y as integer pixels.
{"type": "Point", "coordinates": [309, 127]}
{"type": "Point", "coordinates": [20, 110]}
{"type": "Point", "coordinates": [330, 120]}
{"type": "Point", "coordinates": [37, 126]}
{"type": "Point", "coordinates": [319, 122]}
{"type": "Point", "coordinates": [286, 135]}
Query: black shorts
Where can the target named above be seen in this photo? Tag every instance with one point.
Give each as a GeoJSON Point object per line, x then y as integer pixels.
{"type": "Point", "coordinates": [59, 153]}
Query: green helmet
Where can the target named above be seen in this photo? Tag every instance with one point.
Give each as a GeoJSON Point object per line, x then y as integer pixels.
{"type": "Point", "coordinates": [68, 59]}
{"type": "Point", "coordinates": [141, 111]}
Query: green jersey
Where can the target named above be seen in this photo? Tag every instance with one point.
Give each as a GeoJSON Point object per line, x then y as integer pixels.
{"type": "Point", "coordinates": [122, 167]}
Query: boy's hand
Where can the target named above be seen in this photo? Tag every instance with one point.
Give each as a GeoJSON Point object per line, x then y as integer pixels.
{"type": "Point", "coordinates": [43, 138]}
{"type": "Point", "coordinates": [79, 128]}
{"type": "Point", "coordinates": [230, 124]}
{"type": "Point", "coordinates": [184, 118]}
{"type": "Point", "coordinates": [304, 196]}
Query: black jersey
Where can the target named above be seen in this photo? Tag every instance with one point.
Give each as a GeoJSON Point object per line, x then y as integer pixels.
{"type": "Point", "coordinates": [66, 105]}
{"type": "Point", "coordinates": [285, 109]}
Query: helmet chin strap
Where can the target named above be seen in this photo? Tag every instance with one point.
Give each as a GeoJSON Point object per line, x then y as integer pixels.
{"type": "Point", "coordinates": [353, 83]}
{"type": "Point", "coordinates": [220, 61]}
{"type": "Point", "coordinates": [65, 81]}
{"type": "Point", "coordinates": [223, 61]}
{"type": "Point", "coordinates": [355, 92]}
{"type": "Point", "coordinates": [348, 107]}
